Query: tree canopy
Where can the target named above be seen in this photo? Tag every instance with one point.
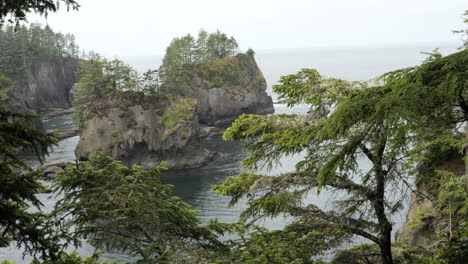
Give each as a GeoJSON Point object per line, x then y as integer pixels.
{"type": "Point", "coordinates": [101, 78]}
{"type": "Point", "coordinates": [206, 47]}
{"type": "Point", "coordinates": [21, 44]}
{"type": "Point", "coordinates": [464, 32]}
{"type": "Point", "coordinates": [20, 186]}
{"type": "Point", "coordinates": [126, 209]}
{"type": "Point", "coordinates": [185, 53]}
{"type": "Point", "coordinates": [16, 11]}
{"type": "Point", "coordinates": [357, 140]}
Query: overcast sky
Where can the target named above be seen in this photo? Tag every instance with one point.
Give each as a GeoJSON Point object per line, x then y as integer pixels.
{"type": "Point", "coordinates": [146, 27]}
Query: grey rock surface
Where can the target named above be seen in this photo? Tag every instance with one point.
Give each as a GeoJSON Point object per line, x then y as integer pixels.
{"type": "Point", "coordinates": [228, 88]}
{"type": "Point", "coordinates": [137, 134]}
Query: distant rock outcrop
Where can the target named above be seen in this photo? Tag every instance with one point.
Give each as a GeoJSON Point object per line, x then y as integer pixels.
{"type": "Point", "coordinates": [143, 130]}
{"type": "Point", "coordinates": [229, 87]}
{"type": "Point", "coordinates": [48, 83]}
{"type": "Point", "coordinates": [44, 86]}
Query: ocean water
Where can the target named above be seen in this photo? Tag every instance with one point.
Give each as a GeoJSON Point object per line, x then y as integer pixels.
{"type": "Point", "coordinates": [194, 185]}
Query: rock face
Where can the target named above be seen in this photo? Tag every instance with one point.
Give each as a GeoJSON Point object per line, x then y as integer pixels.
{"type": "Point", "coordinates": [47, 85]}
{"type": "Point", "coordinates": [229, 87]}
{"type": "Point", "coordinates": [420, 236]}
{"type": "Point", "coordinates": [141, 130]}
{"type": "Point", "coordinates": [423, 217]}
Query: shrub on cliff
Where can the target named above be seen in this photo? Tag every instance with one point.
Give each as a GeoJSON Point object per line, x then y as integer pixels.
{"type": "Point", "coordinates": [5, 86]}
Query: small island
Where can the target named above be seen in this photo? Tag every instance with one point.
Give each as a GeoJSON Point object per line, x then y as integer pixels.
{"type": "Point", "coordinates": [145, 119]}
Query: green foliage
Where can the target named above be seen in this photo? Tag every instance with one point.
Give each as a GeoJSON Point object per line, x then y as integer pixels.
{"type": "Point", "coordinates": [435, 92]}
{"type": "Point", "coordinates": [464, 32]}
{"type": "Point", "coordinates": [20, 44]}
{"type": "Point", "coordinates": [219, 45]}
{"type": "Point", "coordinates": [150, 82]}
{"type": "Point", "coordinates": [431, 161]}
{"type": "Point", "coordinates": [420, 218]}
{"type": "Point", "coordinates": [185, 54]}
{"type": "Point", "coordinates": [73, 258]}
{"type": "Point", "coordinates": [15, 11]}
{"type": "Point", "coordinates": [255, 244]}
{"type": "Point", "coordinates": [101, 78]}
{"type": "Point", "coordinates": [350, 123]}
{"type": "Point", "coordinates": [231, 72]}
{"type": "Point", "coordinates": [437, 97]}
{"type": "Point", "coordinates": [69, 258]}
{"type": "Point", "coordinates": [207, 47]}
{"type": "Point", "coordinates": [178, 112]}
{"type": "Point", "coordinates": [456, 251]}
{"type": "Point", "coordinates": [126, 209]}
{"type": "Point", "coordinates": [250, 52]}
{"type": "Point", "coordinates": [308, 86]}
{"type": "Point", "coordinates": [20, 186]}
{"type": "Point", "coordinates": [5, 86]}
{"type": "Point", "coordinates": [453, 195]}
{"type": "Point", "coordinates": [367, 253]}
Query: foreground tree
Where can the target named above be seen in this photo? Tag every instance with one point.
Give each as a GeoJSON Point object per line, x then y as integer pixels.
{"type": "Point", "coordinates": [437, 92]}
{"type": "Point", "coordinates": [20, 186]}
{"type": "Point", "coordinates": [357, 142]}
{"type": "Point", "coordinates": [252, 244]}
{"type": "Point", "coordinates": [126, 209]}
{"type": "Point", "coordinates": [464, 32]}
{"type": "Point", "coordinates": [16, 11]}
{"type": "Point", "coordinates": [362, 142]}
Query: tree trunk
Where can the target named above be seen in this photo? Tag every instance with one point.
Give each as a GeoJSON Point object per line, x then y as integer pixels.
{"type": "Point", "coordinates": [466, 149]}
{"type": "Point", "coordinates": [386, 245]}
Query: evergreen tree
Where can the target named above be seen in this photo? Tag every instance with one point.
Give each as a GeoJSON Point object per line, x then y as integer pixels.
{"type": "Point", "coordinates": [220, 46]}
{"type": "Point", "coordinates": [350, 125]}
{"type": "Point", "coordinates": [464, 32]}
{"type": "Point", "coordinates": [128, 210]}
{"type": "Point", "coordinates": [201, 46]}
{"type": "Point", "coordinates": [20, 186]}
{"type": "Point", "coordinates": [184, 54]}
{"type": "Point", "coordinates": [15, 11]}
{"type": "Point", "coordinates": [150, 83]}
{"type": "Point", "coordinates": [20, 45]}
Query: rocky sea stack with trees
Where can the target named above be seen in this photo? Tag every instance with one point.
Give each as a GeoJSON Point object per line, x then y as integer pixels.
{"type": "Point", "coordinates": [146, 118]}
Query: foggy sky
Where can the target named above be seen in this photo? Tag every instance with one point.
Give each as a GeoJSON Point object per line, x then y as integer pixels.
{"type": "Point", "coordinates": [146, 27]}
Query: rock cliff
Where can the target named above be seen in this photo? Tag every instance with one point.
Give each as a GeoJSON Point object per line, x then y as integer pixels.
{"type": "Point", "coordinates": [143, 130]}
{"type": "Point", "coordinates": [424, 220]}
{"type": "Point", "coordinates": [42, 87]}
{"type": "Point", "coordinates": [47, 84]}
{"type": "Point", "coordinates": [229, 87]}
